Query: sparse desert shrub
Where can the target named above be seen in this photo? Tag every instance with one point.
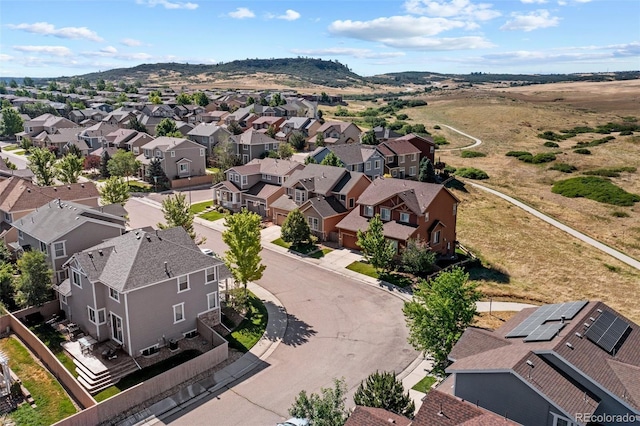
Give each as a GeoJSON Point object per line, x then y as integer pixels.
{"type": "Point", "coordinates": [626, 133]}
{"type": "Point", "coordinates": [472, 154]}
{"type": "Point", "coordinates": [618, 213]}
{"type": "Point", "coordinates": [440, 140]}
{"type": "Point", "coordinates": [472, 173]}
{"type": "Point", "coordinates": [550, 144]}
{"type": "Point", "coordinates": [595, 188]}
{"type": "Point", "coordinates": [564, 167]}
{"type": "Point", "coordinates": [610, 172]}
{"type": "Point", "coordinates": [517, 153]}
{"type": "Point", "coordinates": [437, 127]}
{"type": "Point", "coordinates": [594, 142]}
{"type": "Point", "coordinates": [543, 157]}
{"type": "Point", "coordinates": [583, 151]}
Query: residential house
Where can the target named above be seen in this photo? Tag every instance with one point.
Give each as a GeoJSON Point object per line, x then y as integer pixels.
{"type": "Point", "coordinates": [215, 117]}
{"type": "Point", "coordinates": [180, 158]}
{"type": "Point", "coordinates": [184, 127]}
{"type": "Point", "coordinates": [158, 111]}
{"type": "Point", "coordinates": [39, 127]}
{"type": "Point", "coordinates": [150, 123]}
{"type": "Point", "coordinates": [143, 290]}
{"type": "Point", "coordinates": [121, 117]}
{"type": "Point", "coordinates": [6, 172]}
{"type": "Point", "coordinates": [323, 194]}
{"type": "Point", "coordinates": [208, 135]}
{"type": "Point", "coordinates": [102, 106]}
{"type": "Point", "coordinates": [370, 416]}
{"type": "Point", "coordinates": [402, 158]}
{"type": "Point", "coordinates": [240, 116]}
{"type": "Point", "coordinates": [255, 185]}
{"type": "Point", "coordinates": [119, 137]}
{"type": "Point", "coordinates": [573, 363]}
{"type": "Point", "coordinates": [424, 143]}
{"type": "Point", "coordinates": [79, 116]}
{"type": "Point", "coordinates": [19, 197]}
{"type": "Point", "coordinates": [63, 137]}
{"type": "Point", "coordinates": [61, 228]}
{"type": "Point", "coordinates": [252, 144]}
{"type": "Point", "coordinates": [137, 141]}
{"type": "Point", "coordinates": [355, 157]}
{"type": "Point", "coordinates": [384, 134]}
{"type": "Point", "coordinates": [409, 210]}
{"type": "Point", "coordinates": [294, 124]}
{"type": "Point", "coordinates": [95, 136]}
{"type": "Point", "coordinates": [262, 124]}
{"type": "Point", "coordinates": [336, 133]}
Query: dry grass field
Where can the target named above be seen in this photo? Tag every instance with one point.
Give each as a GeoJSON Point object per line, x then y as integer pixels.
{"type": "Point", "coordinates": [526, 259]}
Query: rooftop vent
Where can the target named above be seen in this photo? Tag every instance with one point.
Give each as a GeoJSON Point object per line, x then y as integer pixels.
{"type": "Point", "coordinates": [569, 345]}
{"type": "Point", "coordinates": [579, 335]}
{"type": "Point", "coordinates": [100, 252]}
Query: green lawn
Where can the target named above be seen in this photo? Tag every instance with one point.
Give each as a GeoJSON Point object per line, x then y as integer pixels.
{"type": "Point", "coordinates": [20, 152]}
{"type": "Point", "coordinates": [53, 404]}
{"type": "Point", "coordinates": [320, 253]}
{"type": "Point", "coordinates": [135, 186]}
{"type": "Point", "coordinates": [200, 207]}
{"type": "Point", "coordinates": [213, 215]}
{"type": "Point", "coordinates": [213, 169]}
{"type": "Point", "coordinates": [425, 384]}
{"type": "Point", "coordinates": [302, 248]}
{"type": "Point", "coordinates": [252, 327]}
{"type": "Point", "coordinates": [368, 270]}
{"type": "Point", "coordinates": [52, 339]}
{"type": "Point", "coordinates": [10, 147]}
{"type": "Point", "coordinates": [147, 373]}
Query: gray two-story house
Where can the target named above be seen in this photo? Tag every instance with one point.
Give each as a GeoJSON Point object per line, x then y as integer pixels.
{"type": "Point", "coordinates": [252, 144]}
{"type": "Point", "coordinates": [354, 157]}
{"type": "Point", "coordinates": [402, 158]}
{"type": "Point", "coordinates": [143, 289]}
{"type": "Point", "coordinates": [179, 157]}
{"type": "Point", "coordinates": [61, 228]}
{"type": "Point", "coordinates": [208, 135]}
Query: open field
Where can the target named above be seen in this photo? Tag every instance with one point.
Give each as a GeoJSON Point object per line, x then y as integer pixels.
{"type": "Point", "coordinates": [526, 259]}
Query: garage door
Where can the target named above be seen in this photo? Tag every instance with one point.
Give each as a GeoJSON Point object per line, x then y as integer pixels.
{"type": "Point", "coordinates": [349, 241]}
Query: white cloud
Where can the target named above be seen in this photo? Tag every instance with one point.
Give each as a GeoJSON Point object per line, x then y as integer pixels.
{"type": "Point", "coordinates": [130, 42]}
{"type": "Point", "coordinates": [45, 28]}
{"type": "Point", "coordinates": [530, 21]}
{"type": "Point", "coordinates": [46, 50]}
{"type": "Point", "coordinates": [168, 4]}
{"type": "Point", "coordinates": [445, 43]}
{"type": "Point", "coordinates": [533, 1]}
{"type": "Point", "coordinates": [457, 9]}
{"type": "Point", "coordinates": [394, 27]}
{"type": "Point", "coordinates": [5, 58]}
{"type": "Point", "coordinates": [242, 13]}
{"type": "Point", "coordinates": [290, 15]}
{"type": "Point", "coordinates": [562, 3]}
{"type": "Point", "coordinates": [112, 52]}
{"type": "Point", "coordinates": [347, 51]}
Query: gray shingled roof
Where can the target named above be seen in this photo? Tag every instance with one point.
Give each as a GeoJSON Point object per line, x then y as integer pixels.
{"type": "Point", "coordinates": [326, 206]}
{"type": "Point", "coordinates": [56, 218]}
{"type": "Point", "coordinates": [137, 259]}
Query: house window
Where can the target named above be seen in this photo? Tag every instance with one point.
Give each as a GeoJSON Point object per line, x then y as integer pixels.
{"type": "Point", "coordinates": [275, 146]}
{"type": "Point", "coordinates": [412, 171]}
{"type": "Point", "coordinates": [183, 168]}
{"type": "Point", "coordinates": [401, 158]}
{"type": "Point", "coordinates": [280, 179]}
{"type": "Point", "coordinates": [367, 166]}
{"type": "Point", "coordinates": [97, 317]}
{"type": "Point", "coordinates": [245, 147]}
{"type": "Point", "coordinates": [352, 202]}
{"type": "Point", "coordinates": [63, 299]}
{"type": "Point", "coordinates": [301, 196]}
{"type": "Point", "coordinates": [102, 316]}
{"type": "Point", "coordinates": [436, 237]}
{"type": "Point", "coordinates": [385, 214]}
{"type": "Point", "coordinates": [210, 274]}
{"type": "Point", "coordinates": [455, 209]}
{"type": "Point", "coordinates": [183, 283]}
{"type": "Point", "coordinates": [136, 150]}
{"type": "Point", "coordinates": [404, 217]}
{"type": "Point", "coordinates": [75, 278]}
{"type": "Point", "coordinates": [114, 295]}
{"type": "Point", "coordinates": [7, 217]}
{"type": "Point", "coordinates": [173, 153]}
{"type": "Point", "coordinates": [236, 177]}
{"type": "Point", "coordinates": [390, 159]}
{"type": "Point", "coordinates": [178, 313]}
{"type": "Point", "coordinates": [561, 421]}
{"type": "Point", "coordinates": [368, 211]}
{"type": "Point", "coordinates": [413, 157]}
{"type": "Point", "coordinates": [212, 301]}
{"type": "Point", "coordinates": [59, 249]}
{"type": "Point", "coordinates": [432, 149]}
{"type": "Point", "coordinates": [92, 314]}
{"type": "Point", "coordinates": [377, 164]}
{"type": "Point", "coordinates": [158, 153]}
{"type": "Point", "coordinates": [244, 180]}
{"type": "Point", "coordinates": [147, 153]}
{"type": "Point", "coordinates": [201, 152]}
{"type": "Point", "coordinates": [43, 247]}
{"type": "Point", "coordinates": [314, 223]}
{"type": "Point", "coordinates": [20, 235]}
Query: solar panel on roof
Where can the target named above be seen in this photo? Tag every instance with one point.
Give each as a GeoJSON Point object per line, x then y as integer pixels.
{"type": "Point", "coordinates": [607, 330]}
{"type": "Point", "coordinates": [545, 332]}
{"type": "Point", "coordinates": [545, 313]}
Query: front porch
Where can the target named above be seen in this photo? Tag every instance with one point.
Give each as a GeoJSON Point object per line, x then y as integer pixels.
{"type": "Point", "coordinates": [226, 194]}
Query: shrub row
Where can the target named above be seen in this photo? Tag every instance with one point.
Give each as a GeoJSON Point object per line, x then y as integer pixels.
{"type": "Point", "coordinates": [595, 188]}
{"type": "Point", "coordinates": [472, 154]}
{"type": "Point", "coordinates": [527, 157]}
{"type": "Point", "coordinates": [594, 142]}
{"type": "Point", "coordinates": [610, 172]}
{"type": "Point", "coordinates": [472, 173]}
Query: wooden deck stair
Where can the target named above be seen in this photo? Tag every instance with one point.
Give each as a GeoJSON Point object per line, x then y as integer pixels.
{"type": "Point", "coordinates": [96, 382]}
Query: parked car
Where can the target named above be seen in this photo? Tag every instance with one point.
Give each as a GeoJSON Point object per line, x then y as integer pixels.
{"type": "Point", "coordinates": [295, 421]}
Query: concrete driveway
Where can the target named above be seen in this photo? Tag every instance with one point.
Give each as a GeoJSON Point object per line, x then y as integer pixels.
{"type": "Point", "coordinates": [337, 327]}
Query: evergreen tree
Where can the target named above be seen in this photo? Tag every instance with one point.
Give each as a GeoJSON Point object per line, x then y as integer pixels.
{"type": "Point", "coordinates": [319, 140]}
{"type": "Point", "coordinates": [369, 138]}
{"type": "Point", "coordinates": [297, 140]}
{"type": "Point", "coordinates": [427, 173]}
{"type": "Point", "coordinates": [156, 175]}
{"type": "Point", "coordinates": [324, 409]}
{"type": "Point", "coordinates": [384, 390]}
{"type": "Point", "coordinates": [331, 159]}
{"type": "Point", "coordinates": [136, 125]}
{"type": "Point", "coordinates": [104, 164]}
{"type": "Point", "coordinates": [375, 248]}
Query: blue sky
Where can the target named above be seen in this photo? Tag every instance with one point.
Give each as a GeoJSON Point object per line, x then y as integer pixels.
{"type": "Point", "coordinates": [49, 38]}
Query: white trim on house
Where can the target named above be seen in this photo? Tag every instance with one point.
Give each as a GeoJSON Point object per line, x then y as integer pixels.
{"type": "Point", "coordinates": [113, 292]}
{"type": "Point", "coordinates": [181, 282]}
{"type": "Point", "coordinates": [54, 250]}
{"type": "Point", "coordinates": [178, 318]}
{"type": "Point", "coordinates": [126, 312]}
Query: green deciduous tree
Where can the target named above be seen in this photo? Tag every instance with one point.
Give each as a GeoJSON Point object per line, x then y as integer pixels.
{"type": "Point", "coordinates": [7, 288]}
{"type": "Point", "coordinates": [123, 163]}
{"type": "Point", "coordinates": [243, 259]}
{"type": "Point", "coordinates": [384, 390]}
{"type": "Point", "coordinates": [427, 173]}
{"type": "Point", "coordinates": [42, 164]}
{"type": "Point", "coordinates": [155, 99]}
{"type": "Point", "coordinates": [27, 81]}
{"type": "Point", "coordinates": [375, 248]}
{"type": "Point", "coordinates": [136, 125]}
{"type": "Point", "coordinates": [320, 140]}
{"type": "Point", "coordinates": [331, 160]}
{"type": "Point", "coordinates": [234, 128]}
{"type": "Point", "coordinates": [285, 151]}
{"type": "Point", "coordinates": [224, 155]}
{"type": "Point", "coordinates": [69, 168]}
{"type": "Point", "coordinates": [199, 98]}
{"type": "Point", "coordinates": [438, 314]}
{"type": "Point", "coordinates": [165, 127]}
{"type": "Point", "coordinates": [100, 84]}
{"type": "Point", "coordinates": [184, 99]}
{"type": "Point", "coordinates": [5, 254]}
{"type": "Point", "coordinates": [177, 212]}
{"type": "Point", "coordinates": [417, 257]}
{"type": "Point", "coordinates": [324, 409]}
{"type": "Point", "coordinates": [369, 138]}
{"type": "Point", "coordinates": [297, 140]}
{"type": "Point", "coordinates": [271, 131]}
{"type": "Point", "coordinates": [11, 122]}
{"type": "Point", "coordinates": [114, 190]}
{"type": "Point", "coordinates": [295, 229]}
{"type": "Point", "coordinates": [34, 283]}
